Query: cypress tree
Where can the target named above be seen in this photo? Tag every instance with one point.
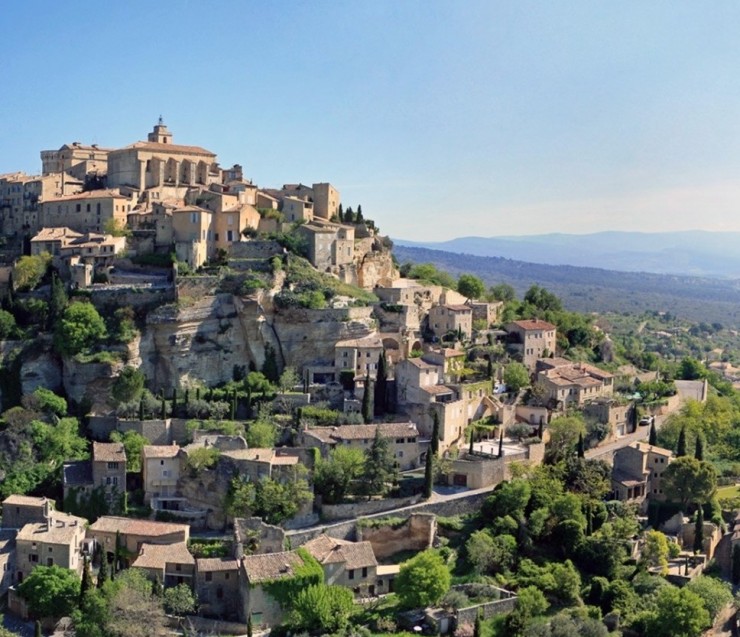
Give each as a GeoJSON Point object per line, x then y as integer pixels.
{"type": "Point", "coordinates": [233, 406]}
{"type": "Point", "coordinates": [197, 393]}
{"type": "Point", "coordinates": [11, 292]}
{"type": "Point", "coordinates": [434, 443]}
{"type": "Point", "coordinates": [653, 438]}
{"type": "Point", "coordinates": [541, 431]}
{"type": "Point", "coordinates": [349, 216]}
{"type": "Point", "coordinates": [501, 444]}
{"type": "Point", "coordinates": [381, 386]}
{"type": "Point", "coordinates": [478, 626]}
{"type": "Point", "coordinates": [163, 408]}
{"type": "Point", "coordinates": [86, 583]}
{"type": "Point", "coordinates": [699, 449]}
{"type": "Point", "coordinates": [489, 368]}
{"type": "Point", "coordinates": [103, 571]}
{"type": "Point", "coordinates": [187, 397]}
{"type": "Point", "coordinates": [367, 401]}
{"type": "Point", "coordinates": [472, 440]}
{"type": "Point", "coordinates": [581, 451]}
{"type": "Point", "coordinates": [359, 218]}
{"type": "Point", "coordinates": [174, 402]}
{"type": "Point", "coordinates": [736, 564]}
{"type": "Point", "coordinates": [141, 408]}
{"type": "Point", "coordinates": [116, 556]}
{"type": "Point", "coordinates": [681, 446]}
{"type": "Point", "coordinates": [428, 476]}
{"type": "Point", "coordinates": [699, 530]}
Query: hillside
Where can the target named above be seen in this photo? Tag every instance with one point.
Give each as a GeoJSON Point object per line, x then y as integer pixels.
{"type": "Point", "coordinates": [696, 253]}
{"type": "Point", "coordinates": [599, 290]}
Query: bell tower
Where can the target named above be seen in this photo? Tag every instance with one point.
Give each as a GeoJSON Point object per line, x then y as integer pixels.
{"type": "Point", "coordinates": [160, 134]}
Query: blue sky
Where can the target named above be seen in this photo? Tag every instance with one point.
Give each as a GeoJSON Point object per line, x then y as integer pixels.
{"type": "Point", "coordinates": [442, 119]}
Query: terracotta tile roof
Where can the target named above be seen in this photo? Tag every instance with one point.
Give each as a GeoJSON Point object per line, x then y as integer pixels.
{"type": "Point", "coordinates": [24, 500]}
{"type": "Point", "coordinates": [458, 307]}
{"type": "Point", "coordinates": [160, 451]}
{"type": "Point", "coordinates": [108, 452]}
{"type": "Point", "coordinates": [62, 529]}
{"type": "Point", "coordinates": [271, 566]}
{"type": "Point", "coordinates": [109, 193]}
{"type": "Point", "coordinates": [367, 341]}
{"type": "Point", "coordinates": [112, 523]}
{"type": "Point", "coordinates": [158, 555]}
{"type": "Point", "coordinates": [254, 455]}
{"type": "Point", "coordinates": [211, 564]}
{"type": "Point", "coordinates": [329, 550]}
{"type": "Point", "coordinates": [56, 234]}
{"type": "Point", "coordinates": [533, 324]}
{"type": "Point", "coordinates": [170, 149]}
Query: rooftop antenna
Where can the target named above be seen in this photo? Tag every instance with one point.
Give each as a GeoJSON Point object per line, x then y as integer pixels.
{"type": "Point", "coordinates": [161, 121]}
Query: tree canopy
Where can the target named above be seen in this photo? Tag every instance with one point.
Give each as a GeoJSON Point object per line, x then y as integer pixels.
{"type": "Point", "coordinates": [81, 328]}
{"type": "Point", "coordinates": [470, 286]}
{"type": "Point", "coordinates": [423, 580]}
{"type": "Point", "coordinates": [51, 591]}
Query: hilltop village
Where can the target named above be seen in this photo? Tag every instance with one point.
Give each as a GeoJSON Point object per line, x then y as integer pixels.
{"type": "Point", "coordinates": [229, 406]}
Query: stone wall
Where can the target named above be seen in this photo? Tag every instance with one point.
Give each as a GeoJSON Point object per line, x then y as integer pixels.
{"type": "Point", "coordinates": [140, 296]}
{"type": "Point", "coordinates": [197, 286]}
{"type": "Point", "coordinates": [253, 536]}
{"type": "Point", "coordinates": [255, 249]}
{"type": "Point", "coordinates": [332, 512]}
{"type": "Point", "coordinates": [487, 609]}
{"type": "Point", "coordinates": [415, 534]}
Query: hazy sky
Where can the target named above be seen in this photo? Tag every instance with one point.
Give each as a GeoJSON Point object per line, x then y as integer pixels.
{"type": "Point", "coordinates": [442, 119]}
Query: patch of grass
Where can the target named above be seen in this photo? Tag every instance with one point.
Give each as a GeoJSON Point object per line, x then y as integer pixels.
{"type": "Point", "coordinates": [730, 491]}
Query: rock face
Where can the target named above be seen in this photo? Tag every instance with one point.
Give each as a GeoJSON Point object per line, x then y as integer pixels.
{"type": "Point", "coordinates": [199, 343]}
{"type": "Point", "coordinates": [90, 382]}
{"type": "Point", "coordinates": [40, 367]}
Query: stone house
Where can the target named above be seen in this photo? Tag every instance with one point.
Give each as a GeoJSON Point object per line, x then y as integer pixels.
{"type": "Point", "coordinates": [63, 243]}
{"type": "Point", "coordinates": [19, 200]}
{"type": "Point", "coordinates": [452, 362]}
{"type": "Point", "coordinates": [106, 471]}
{"type": "Point", "coordinates": [160, 469]}
{"type": "Point", "coordinates": [134, 534]}
{"type": "Point", "coordinates": [58, 540]}
{"type": "Point", "coordinates": [86, 211]}
{"type": "Point", "coordinates": [402, 437]}
{"type": "Point", "coordinates": [358, 356]}
{"type": "Point", "coordinates": [192, 228]}
{"type": "Point", "coordinates": [296, 209]}
{"type": "Point", "coordinates": [171, 564]}
{"type": "Point", "coordinates": [255, 572]}
{"type": "Point", "coordinates": [619, 416]}
{"type": "Point", "coordinates": [19, 510]}
{"type": "Point", "coordinates": [567, 383]}
{"type": "Point", "coordinates": [7, 560]}
{"type": "Point", "coordinates": [413, 376]}
{"type": "Point", "coordinates": [76, 159]}
{"type": "Point", "coordinates": [488, 312]}
{"type": "Point", "coordinates": [532, 339]}
{"type": "Point", "coordinates": [330, 245]}
{"type": "Point", "coordinates": [217, 587]}
{"type": "Point", "coordinates": [637, 472]}
{"type": "Point", "coordinates": [256, 464]}
{"type": "Point", "coordinates": [444, 319]}
{"type": "Point", "coordinates": [349, 564]}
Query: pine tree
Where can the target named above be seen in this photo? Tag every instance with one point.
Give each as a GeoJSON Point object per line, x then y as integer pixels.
{"type": "Point", "coordinates": [653, 438]}
{"type": "Point", "coordinates": [699, 449]}
{"type": "Point", "coordinates": [428, 475]}
{"type": "Point", "coordinates": [581, 451]}
{"type": "Point", "coordinates": [681, 446]}
{"type": "Point", "coordinates": [367, 401]}
{"type": "Point", "coordinates": [381, 386]}
{"type": "Point", "coordinates": [501, 444]}
{"type": "Point", "coordinates": [736, 564]}
{"type": "Point", "coordinates": [699, 530]}
{"type": "Point", "coordinates": [434, 443]}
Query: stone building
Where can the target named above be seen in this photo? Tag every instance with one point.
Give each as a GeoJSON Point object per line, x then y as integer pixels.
{"type": "Point", "coordinates": [20, 195]}
{"type": "Point", "coordinates": [76, 159]}
{"type": "Point", "coordinates": [19, 510]}
{"type": "Point", "coordinates": [158, 169]}
{"type": "Point", "coordinates": [349, 564]}
{"type": "Point", "coordinates": [8, 567]}
{"type": "Point", "coordinates": [217, 587]}
{"type": "Point", "coordinates": [171, 564]}
{"type": "Point", "coordinates": [106, 472]}
{"type": "Point", "coordinates": [160, 468]}
{"type": "Point", "coordinates": [358, 356]}
{"type": "Point", "coordinates": [402, 437]}
{"type": "Point", "coordinates": [531, 340]}
{"type": "Point", "coordinates": [444, 319]}
{"type": "Point", "coordinates": [567, 383]}
{"type": "Point", "coordinates": [58, 540]}
{"type": "Point", "coordinates": [89, 211]}
{"type": "Point", "coordinates": [637, 472]}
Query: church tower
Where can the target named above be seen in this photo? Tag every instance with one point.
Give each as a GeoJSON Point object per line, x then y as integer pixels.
{"type": "Point", "coordinates": [160, 134]}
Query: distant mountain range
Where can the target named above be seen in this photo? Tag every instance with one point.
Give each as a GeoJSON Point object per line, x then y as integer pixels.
{"type": "Point", "coordinates": [694, 253]}
{"type": "Point", "coordinates": [585, 289]}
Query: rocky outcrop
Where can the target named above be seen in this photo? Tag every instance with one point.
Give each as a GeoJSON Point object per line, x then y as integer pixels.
{"type": "Point", "coordinates": [90, 382]}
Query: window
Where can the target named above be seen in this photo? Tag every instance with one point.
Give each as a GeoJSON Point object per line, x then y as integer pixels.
{"type": "Point", "coordinates": [364, 571]}
{"type": "Point", "coordinates": [78, 208]}
{"type": "Point", "coordinates": [230, 235]}
{"type": "Point", "coordinates": [50, 561]}
{"type": "Point", "coordinates": [226, 575]}
{"type": "Point", "coordinates": [161, 463]}
{"type": "Point", "coordinates": [219, 593]}
{"type": "Point", "coordinates": [113, 465]}
{"type": "Point", "coordinates": [351, 574]}
{"type": "Point", "coordinates": [178, 567]}
{"type": "Point", "coordinates": [33, 558]}
{"type": "Point", "coordinates": [209, 577]}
